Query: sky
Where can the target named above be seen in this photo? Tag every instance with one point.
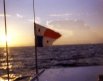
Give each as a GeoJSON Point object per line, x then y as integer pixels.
{"type": "Point", "coordinates": [79, 21]}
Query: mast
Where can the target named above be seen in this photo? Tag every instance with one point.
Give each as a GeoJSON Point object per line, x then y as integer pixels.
{"type": "Point", "coordinates": [7, 53]}
{"type": "Point", "coordinates": [36, 58]}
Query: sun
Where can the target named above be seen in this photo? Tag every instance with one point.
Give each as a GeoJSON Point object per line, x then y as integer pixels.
{"type": "Point", "coordinates": [4, 38]}
{"type": "Point", "coordinates": [17, 36]}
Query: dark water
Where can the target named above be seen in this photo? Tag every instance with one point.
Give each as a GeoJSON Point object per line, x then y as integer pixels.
{"type": "Point", "coordinates": [22, 59]}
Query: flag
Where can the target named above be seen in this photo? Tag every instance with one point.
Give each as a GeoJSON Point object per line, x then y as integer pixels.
{"type": "Point", "coordinates": [45, 36]}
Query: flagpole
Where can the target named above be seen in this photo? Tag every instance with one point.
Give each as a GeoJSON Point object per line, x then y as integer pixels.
{"type": "Point", "coordinates": [36, 57]}
{"type": "Point", "coordinates": [7, 59]}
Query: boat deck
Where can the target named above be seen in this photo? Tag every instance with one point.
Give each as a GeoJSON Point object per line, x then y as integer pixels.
{"type": "Point", "coordinates": [90, 73]}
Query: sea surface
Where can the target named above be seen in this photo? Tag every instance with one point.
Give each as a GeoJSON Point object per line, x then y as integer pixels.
{"type": "Point", "coordinates": [22, 59]}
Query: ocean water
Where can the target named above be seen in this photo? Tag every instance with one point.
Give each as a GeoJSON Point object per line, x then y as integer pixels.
{"type": "Point", "coordinates": [22, 59]}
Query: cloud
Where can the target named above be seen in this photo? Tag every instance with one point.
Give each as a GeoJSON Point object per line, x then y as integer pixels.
{"type": "Point", "coordinates": [7, 15]}
{"type": "Point", "coordinates": [72, 14]}
{"type": "Point", "coordinates": [60, 15]}
{"type": "Point", "coordinates": [37, 20]}
{"type": "Point", "coordinates": [19, 15]}
{"type": "Point", "coordinates": [68, 24]}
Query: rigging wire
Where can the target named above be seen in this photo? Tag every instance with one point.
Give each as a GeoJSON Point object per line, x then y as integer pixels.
{"type": "Point", "coordinates": [7, 52]}
{"type": "Point", "coordinates": [36, 57]}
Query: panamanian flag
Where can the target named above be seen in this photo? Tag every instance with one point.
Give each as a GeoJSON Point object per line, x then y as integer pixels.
{"type": "Point", "coordinates": [45, 36]}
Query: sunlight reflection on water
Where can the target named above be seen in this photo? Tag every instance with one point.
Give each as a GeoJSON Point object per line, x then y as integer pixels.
{"type": "Point", "coordinates": [5, 77]}
{"type": "Point", "coordinates": [2, 79]}
{"type": "Point", "coordinates": [4, 61]}
{"type": "Point", "coordinates": [3, 67]}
